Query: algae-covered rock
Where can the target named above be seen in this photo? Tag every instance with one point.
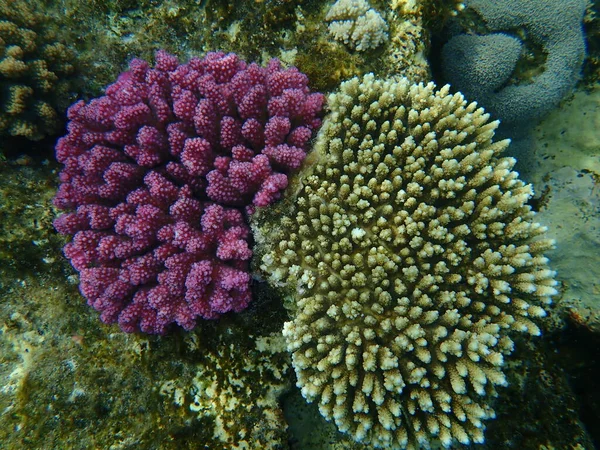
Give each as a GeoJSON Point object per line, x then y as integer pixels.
{"type": "Point", "coordinates": [28, 242]}
{"type": "Point", "coordinates": [109, 33]}
{"type": "Point", "coordinates": [68, 382]}
{"type": "Point", "coordinates": [565, 170]}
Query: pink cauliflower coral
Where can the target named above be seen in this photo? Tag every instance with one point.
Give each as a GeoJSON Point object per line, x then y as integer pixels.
{"type": "Point", "coordinates": [159, 173]}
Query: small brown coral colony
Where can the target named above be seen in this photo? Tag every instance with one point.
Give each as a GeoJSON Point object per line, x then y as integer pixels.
{"type": "Point", "coordinates": [412, 255]}
{"type": "Point", "coordinates": [32, 73]}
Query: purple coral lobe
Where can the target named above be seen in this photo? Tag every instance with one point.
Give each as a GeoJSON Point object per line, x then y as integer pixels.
{"type": "Point", "coordinates": [159, 174]}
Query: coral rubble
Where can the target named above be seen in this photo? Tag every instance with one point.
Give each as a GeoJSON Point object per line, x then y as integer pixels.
{"type": "Point", "coordinates": [237, 386]}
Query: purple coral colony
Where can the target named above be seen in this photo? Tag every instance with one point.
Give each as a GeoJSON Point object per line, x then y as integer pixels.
{"type": "Point", "coordinates": [159, 175]}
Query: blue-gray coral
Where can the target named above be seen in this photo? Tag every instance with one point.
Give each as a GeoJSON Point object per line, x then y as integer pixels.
{"type": "Point", "coordinates": [481, 66]}
{"type": "Point", "coordinates": [489, 60]}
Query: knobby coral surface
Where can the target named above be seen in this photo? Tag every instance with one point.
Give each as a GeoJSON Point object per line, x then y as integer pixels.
{"type": "Point", "coordinates": [154, 169]}
{"type": "Point", "coordinates": [412, 255]}
{"type": "Point", "coordinates": [493, 68]}
{"type": "Point", "coordinates": [356, 24]}
{"type": "Point", "coordinates": [34, 71]}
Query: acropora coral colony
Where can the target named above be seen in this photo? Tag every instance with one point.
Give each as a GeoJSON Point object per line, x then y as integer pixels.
{"type": "Point", "coordinates": [356, 24]}
{"type": "Point", "coordinates": [410, 254]}
{"type": "Point", "coordinates": [406, 244]}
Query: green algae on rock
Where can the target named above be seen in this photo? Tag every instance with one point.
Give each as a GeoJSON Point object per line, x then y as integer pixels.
{"type": "Point", "coordinates": [69, 382]}
{"type": "Point", "coordinates": [237, 386]}
{"type": "Point", "coordinates": [411, 255]}
{"type": "Point", "coordinates": [28, 243]}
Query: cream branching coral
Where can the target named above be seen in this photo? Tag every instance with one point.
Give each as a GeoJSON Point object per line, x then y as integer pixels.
{"type": "Point", "coordinates": [34, 72]}
{"type": "Point", "coordinates": [356, 24]}
{"type": "Point", "coordinates": [412, 255]}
